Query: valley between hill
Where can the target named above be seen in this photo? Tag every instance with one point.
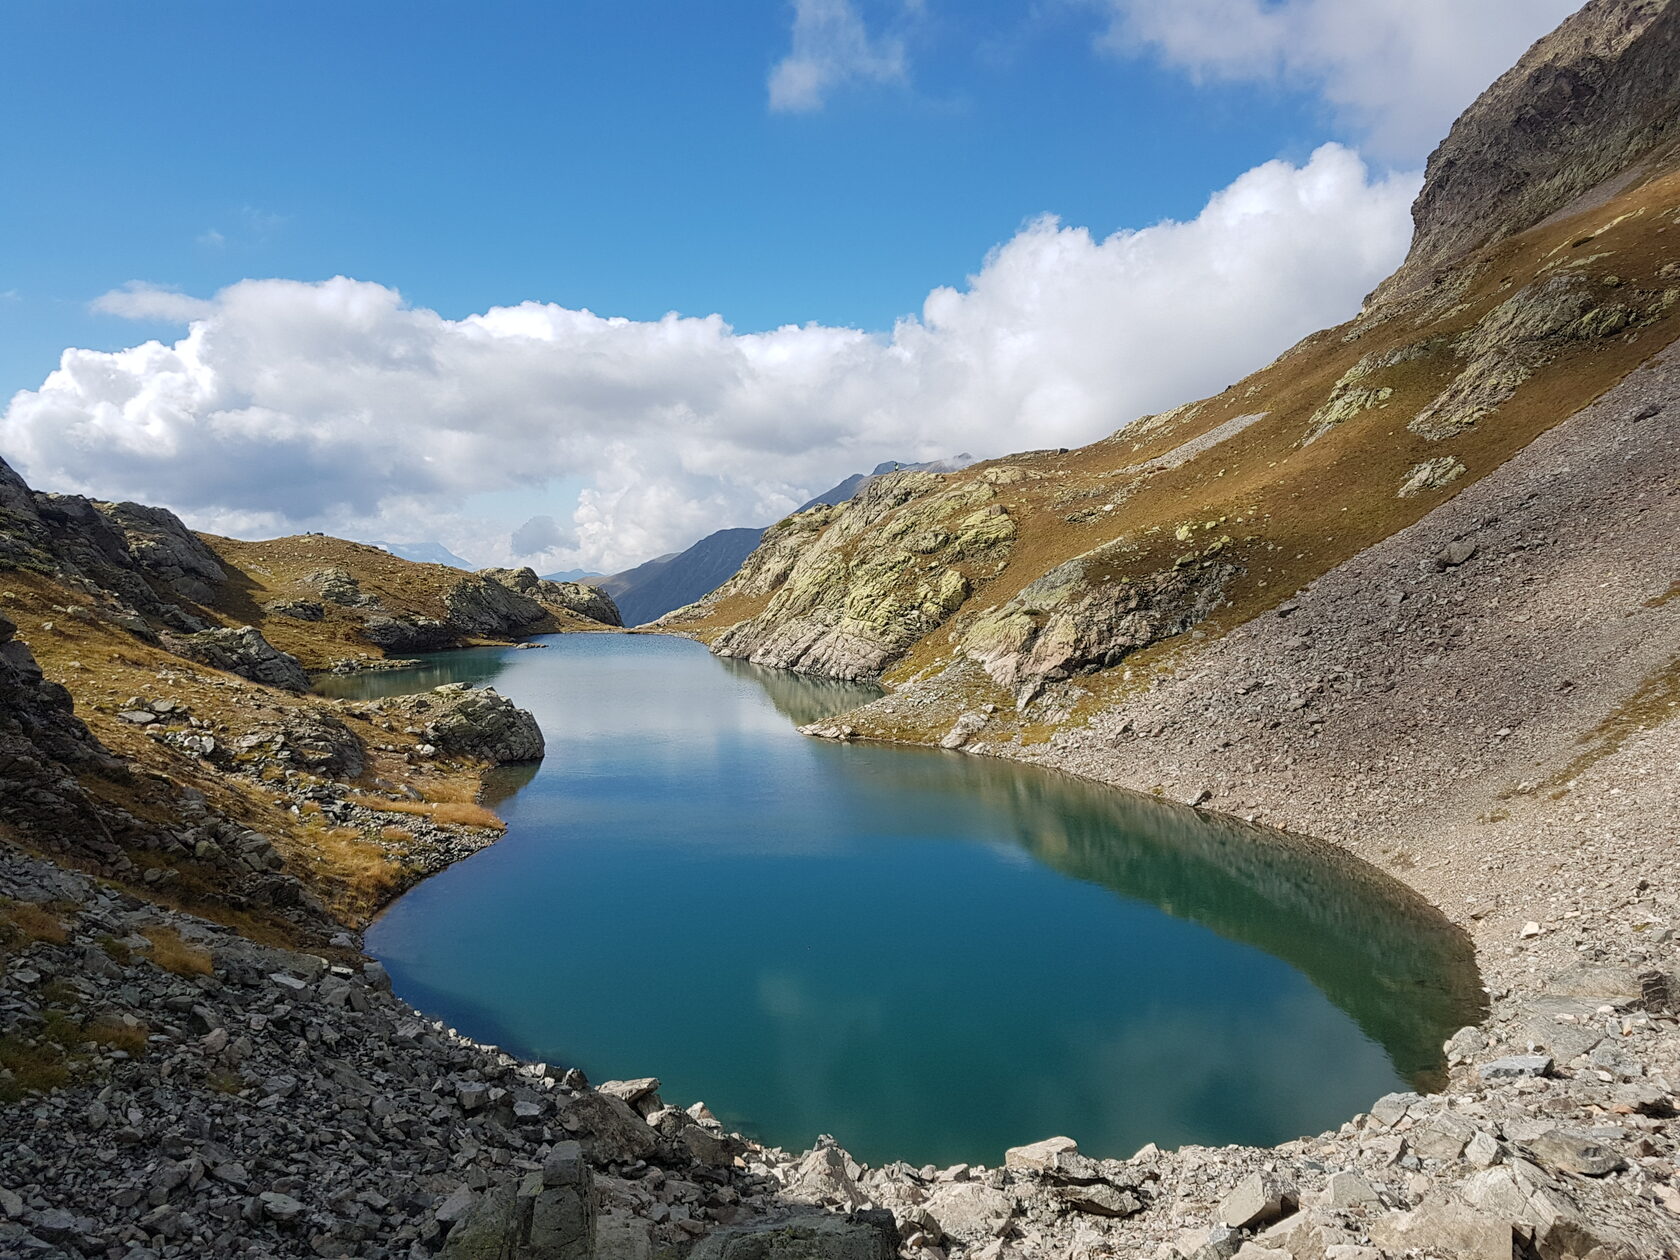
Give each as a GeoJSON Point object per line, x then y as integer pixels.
{"type": "Point", "coordinates": [1409, 588]}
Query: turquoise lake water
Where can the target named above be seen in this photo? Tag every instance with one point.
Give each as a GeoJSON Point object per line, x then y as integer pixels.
{"type": "Point", "coordinates": [928, 955]}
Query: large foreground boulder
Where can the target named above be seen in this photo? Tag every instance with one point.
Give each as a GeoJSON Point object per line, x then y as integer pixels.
{"type": "Point", "coordinates": [860, 1236]}
{"type": "Point", "coordinates": [548, 1215]}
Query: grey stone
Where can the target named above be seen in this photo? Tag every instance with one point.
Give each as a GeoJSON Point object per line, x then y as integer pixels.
{"type": "Point", "coordinates": [244, 652]}
{"type": "Point", "coordinates": [1101, 1199]}
{"type": "Point", "coordinates": [863, 1236]}
{"type": "Point", "coordinates": [1574, 1152]}
{"type": "Point", "coordinates": [1514, 1066]}
{"type": "Point", "coordinates": [1038, 1156]}
{"type": "Point", "coordinates": [1441, 1226]}
{"type": "Point", "coordinates": [1348, 1189]}
{"type": "Point", "coordinates": [1442, 1136]}
{"type": "Point", "coordinates": [1258, 1199]}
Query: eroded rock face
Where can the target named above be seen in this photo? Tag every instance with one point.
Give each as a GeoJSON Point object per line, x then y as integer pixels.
{"type": "Point", "coordinates": [1524, 333]}
{"type": "Point", "coordinates": [892, 565]}
{"type": "Point", "coordinates": [576, 597]}
{"type": "Point", "coordinates": [244, 652]}
{"type": "Point", "coordinates": [1078, 618]}
{"type": "Point", "coordinates": [1584, 105]}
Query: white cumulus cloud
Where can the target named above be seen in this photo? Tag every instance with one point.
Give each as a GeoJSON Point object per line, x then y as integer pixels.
{"type": "Point", "coordinates": [831, 46]}
{"type": "Point", "coordinates": [337, 405]}
{"type": "Point", "coordinates": [138, 300]}
{"type": "Point", "coordinates": [1397, 71]}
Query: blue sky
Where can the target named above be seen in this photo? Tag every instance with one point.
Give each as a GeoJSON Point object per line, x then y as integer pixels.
{"type": "Point", "coordinates": [619, 157]}
{"type": "Point", "coordinates": [632, 159]}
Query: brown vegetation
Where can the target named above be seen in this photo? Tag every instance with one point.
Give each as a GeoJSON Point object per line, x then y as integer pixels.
{"type": "Point", "coordinates": [175, 954]}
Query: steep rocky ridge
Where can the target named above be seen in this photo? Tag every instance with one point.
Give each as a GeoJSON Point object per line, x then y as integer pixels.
{"type": "Point", "coordinates": [1591, 104]}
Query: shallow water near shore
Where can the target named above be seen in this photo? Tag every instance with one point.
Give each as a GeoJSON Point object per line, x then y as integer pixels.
{"type": "Point", "coordinates": [928, 955]}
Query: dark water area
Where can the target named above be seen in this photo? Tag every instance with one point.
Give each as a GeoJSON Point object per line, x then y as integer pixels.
{"type": "Point", "coordinates": [930, 956]}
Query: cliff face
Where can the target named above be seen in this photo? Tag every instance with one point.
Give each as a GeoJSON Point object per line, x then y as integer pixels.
{"type": "Point", "coordinates": [1592, 104]}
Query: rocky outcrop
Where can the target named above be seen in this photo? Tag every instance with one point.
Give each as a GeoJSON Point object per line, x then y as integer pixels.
{"type": "Point", "coordinates": [296, 609]}
{"type": "Point", "coordinates": [460, 720]}
{"type": "Point", "coordinates": [42, 743]}
{"type": "Point", "coordinates": [407, 634]}
{"type": "Point", "coordinates": [1080, 617]}
{"type": "Point", "coordinates": [482, 605]}
{"type": "Point", "coordinates": [244, 652]}
{"type": "Point", "coordinates": [338, 585]}
{"type": "Point", "coordinates": [573, 597]}
{"type": "Point", "coordinates": [140, 559]}
{"type": "Point", "coordinates": [890, 566]}
{"type": "Point", "coordinates": [1583, 107]}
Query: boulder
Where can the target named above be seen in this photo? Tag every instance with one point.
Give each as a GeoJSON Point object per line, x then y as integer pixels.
{"type": "Point", "coordinates": [549, 1215]}
{"type": "Point", "coordinates": [609, 1131]}
{"type": "Point", "coordinates": [971, 1212]}
{"type": "Point", "coordinates": [860, 1236]}
{"type": "Point", "coordinates": [1038, 1156]}
{"type": "Point", "coordinates": [338, 586]}
{"type": "Point", "coordinates": [244, 652]}
{"type": "Point", "coordinates": [407, 634]}
{"type": "Point", "coordinates": [296, 609]}
{"type": "Point", "coordinates": [481, 722]}
{"type": "Point", "coordinates": [1443, 1226]}
{"type": "Point", "coordinates": [1257, 1200]}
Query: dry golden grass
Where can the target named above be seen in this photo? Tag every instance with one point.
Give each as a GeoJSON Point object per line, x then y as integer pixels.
{"type": "Point", "coordinates": [33, 922]}
{"type": "Point", "coordinates": [109, 1030]}
{"type": "Point", "coordinates": [354, 871]}
{"type": "Point", "coordinates": [396, 835]}
{"type": "Point", "coordinates": [31, 1067]}
{"type": "Point", "coordinates": [461, 813]}
{"type": "Point", "coordinates": [174, 954]}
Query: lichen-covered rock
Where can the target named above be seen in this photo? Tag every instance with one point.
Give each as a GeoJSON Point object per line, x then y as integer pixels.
{"type": "Point", "coordinates": [1432, 474]}
{"type": "Point", "coordinates": [166, 549]}
{"type": "Point", "coordinates": [338, 585]}
{"type": "Point", "coordinates": [465, 721]}
{"type": "Point", "coordinates": [308, 738]}
{"type": "Point", "coordinates": [1521, 335]}
{"type": "Point", "coordinates": [892, 565]}
{"type": "Point", "coordinates": [546, 1215]}
{"type": "Point", "coordinates": [574, 597]}
{"type": "Point", "coordinates": [244, 652]}
{"type": "Point", "coordinates": [1080, 617]}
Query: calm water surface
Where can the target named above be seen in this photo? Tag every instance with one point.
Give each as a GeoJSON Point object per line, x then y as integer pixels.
{"type": "Point", "coordinates": [931, 956]}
